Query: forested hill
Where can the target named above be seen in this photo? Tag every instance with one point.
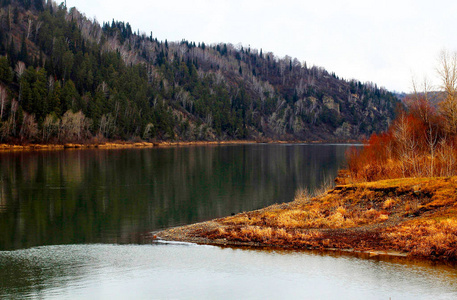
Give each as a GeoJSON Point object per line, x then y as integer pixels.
{"type": "Point", "coordinates": [66, 78]}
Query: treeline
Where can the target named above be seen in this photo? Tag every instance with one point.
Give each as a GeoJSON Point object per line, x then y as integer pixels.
{"type": "Point", "coordinates": [422, 140]}
{"type": "Point", "coordinates": [66, 78]}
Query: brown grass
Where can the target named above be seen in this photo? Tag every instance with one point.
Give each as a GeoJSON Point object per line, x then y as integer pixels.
{"type": "Point", "coordinates": [426, 238]}
{"type": "Point", "coordinates": [413, 215]}
{"type": "Point", "coordinates": [389, 203]}
{"type": "Point", "coordinates": [267, 236]}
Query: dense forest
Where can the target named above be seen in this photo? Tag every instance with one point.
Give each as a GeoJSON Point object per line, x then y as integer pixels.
{"type": "Point", "coordinates": [66, 78]}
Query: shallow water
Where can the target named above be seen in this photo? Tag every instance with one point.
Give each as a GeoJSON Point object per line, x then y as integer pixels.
{"type": "Point", "coordinates": [188, 271]}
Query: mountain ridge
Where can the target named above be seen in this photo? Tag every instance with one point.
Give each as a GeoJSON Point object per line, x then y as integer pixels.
{"type": "Point", "coordinates": [75, 79]}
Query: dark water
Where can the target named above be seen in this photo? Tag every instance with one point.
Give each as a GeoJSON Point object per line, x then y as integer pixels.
{"type": "Point", "coordinates": [109, 196]}
{"type": "Point", "coordinates": [70, 225]}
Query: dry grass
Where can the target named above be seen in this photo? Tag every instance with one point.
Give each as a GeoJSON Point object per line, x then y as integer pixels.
{"type": "Point", "coordinates": [333, 209]}
{"type": "Point", "coordinates": [427, 238]}
{"type": "Point", "coordinates": [414, 215]}
{"type": "Point", "coordinates": [389, 203]}
{"type": "Point", "coordinates": [304, 195]}
{"type": "Point", "coordinates": [267, 236]}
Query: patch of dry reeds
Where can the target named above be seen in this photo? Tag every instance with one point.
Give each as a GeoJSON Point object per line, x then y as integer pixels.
{"type": "Point", "coordinates": [427, 238]}
{"type": "Point", "coordinates": [267, 236]}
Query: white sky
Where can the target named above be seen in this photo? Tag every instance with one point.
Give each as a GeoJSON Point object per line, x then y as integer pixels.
{"type": "Point", "coordinates": [385, 41]}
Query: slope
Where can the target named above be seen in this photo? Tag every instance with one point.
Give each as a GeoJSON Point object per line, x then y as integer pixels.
{"type": "Point", "coordinates": [65, 78]}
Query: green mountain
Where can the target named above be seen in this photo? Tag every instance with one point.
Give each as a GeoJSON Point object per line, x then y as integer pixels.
{"type": "Point", "coordinates": [66, 78]}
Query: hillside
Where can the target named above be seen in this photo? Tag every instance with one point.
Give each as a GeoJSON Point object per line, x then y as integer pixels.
{"type": "Point", "coordinates": [65, 78]}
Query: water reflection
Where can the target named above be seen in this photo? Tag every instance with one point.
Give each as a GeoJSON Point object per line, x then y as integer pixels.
{"type": "Point", "coordinates": [109, 196]}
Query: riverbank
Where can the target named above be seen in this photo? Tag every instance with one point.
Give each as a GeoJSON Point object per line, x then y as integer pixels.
{"type": "Point", "coordinates": [114, 145]}
{"type": "Point", "coordinates": [126, 145]}
{"type": "Point", "coordinates": [414, 217]}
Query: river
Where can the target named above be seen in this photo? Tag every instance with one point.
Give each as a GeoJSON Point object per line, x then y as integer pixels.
{"type": "Point", "coordinates": [71, 225]}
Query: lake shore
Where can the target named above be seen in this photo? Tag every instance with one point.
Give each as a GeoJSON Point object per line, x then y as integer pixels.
{"type": "Point", "coordinates": [112, 145]}
{"type": "Point", "coordinates": [411, 217]}
{"type": "Point", "coordinates": [129, 145]}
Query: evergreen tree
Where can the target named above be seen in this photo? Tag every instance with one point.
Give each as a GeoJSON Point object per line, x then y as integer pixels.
{"type": "Point", "coordinates": [6, 74]}
{"type": "Point", "coordinates": [70, 96]}
{"type": "Point", "coordinates": [23, 54]}
{"type": "Point", "coordinates": [54, 99]}
{"type": "Point", "coordinates": [39, 95]}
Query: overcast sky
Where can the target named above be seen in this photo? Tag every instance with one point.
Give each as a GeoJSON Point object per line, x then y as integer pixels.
{"type": "Point", "coordinates": [384, 41]}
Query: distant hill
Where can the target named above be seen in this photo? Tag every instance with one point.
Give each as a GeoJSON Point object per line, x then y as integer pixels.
{"type": "Point", "coordinates": [65, 78]}
{"type": "Point", "coordinates": [433, 97]}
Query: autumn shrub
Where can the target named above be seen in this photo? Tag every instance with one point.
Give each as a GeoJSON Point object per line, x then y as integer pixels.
{"type": "Point", "coordinates": [417, 144]}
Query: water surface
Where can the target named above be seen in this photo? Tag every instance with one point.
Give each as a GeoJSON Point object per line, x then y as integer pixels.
{"type": "Point", "coordinates": [186, 271]}
{"type": "Point", "coordinates": [71, 225]}
{"type": "Point", "coordinates": [110, 196]}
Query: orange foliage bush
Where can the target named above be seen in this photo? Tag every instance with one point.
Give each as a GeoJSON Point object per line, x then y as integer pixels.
{"type": "Point", "coordinates": [415, 145]}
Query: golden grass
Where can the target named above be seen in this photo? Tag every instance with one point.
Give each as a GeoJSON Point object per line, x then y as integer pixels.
{"type": "Point", "coordinates": [415, 215]}
{"type": "Point", "coordinates": [267, 235]}
{"type": "Point", "coordinates": [397, 182]}
{"type": "Point", "coordinates": [389, 203]}
{"type": "Point", "coordinates": [426, 237]}
{"type": "Point", "coordinates": [332, 210]}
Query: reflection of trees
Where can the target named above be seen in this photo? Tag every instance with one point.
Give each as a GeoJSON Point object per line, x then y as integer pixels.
{"type": "Point", "coordinates": [109, 195]}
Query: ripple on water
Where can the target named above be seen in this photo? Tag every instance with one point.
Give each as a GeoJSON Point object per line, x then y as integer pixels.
{"type": "Point", "coordinates": [182, 270]}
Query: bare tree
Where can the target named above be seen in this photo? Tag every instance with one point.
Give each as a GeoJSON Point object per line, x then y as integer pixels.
{"type": "Point", "coordinates": [432, 141]}
{"type": "Point", "coordinates": [51, 83]}
{"type": "Point", "coordinates": [407, 144]}
{"type": "Point", "coordinates": [12, 118]}
{"type": "Point", "coordinates": [37, 28]}
{"type": "Point", "coordinates": [420, 100]}
{"type": "Point", "coordinates": [74, 126]}
{"type": "Point", "coordinates": [448, 74]}
{"type": "Point", "coordinates": [104, 88]}
{"type": "Point", "coordinates": [421, 105]}
{"type": "Point", "coordinates": [3, 99]}
{"type": "Point", "coordinates": [29, 27]}
{"type": "Point", "coordinates": [107, 125]}
{"type": "Point", "coordinates": [50, 126]}
{"type": "Point", "coordinates": [148, 131]}
{"type": "Point", "coordinates": [7, 128]}
{"type": "Point", "coordinates": [19, 70]}
{"type": "Point", "coordinates": [446, 154]}
{"type": "Point", "coordinates": [29, 128]}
